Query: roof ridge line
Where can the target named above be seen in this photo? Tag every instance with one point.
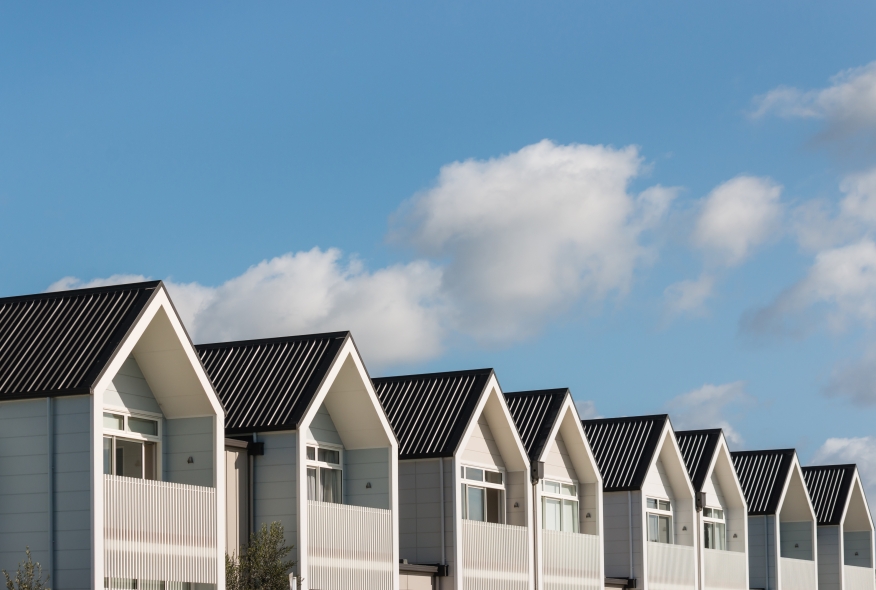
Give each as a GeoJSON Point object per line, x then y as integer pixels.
{"type": "Point", "coordinates": [272, 340]}
{"type": "Point", "coordinates": [84, 291]}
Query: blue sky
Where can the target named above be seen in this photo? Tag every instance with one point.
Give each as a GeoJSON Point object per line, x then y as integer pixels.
{"type": "Point", "coordinates": [430, 152]}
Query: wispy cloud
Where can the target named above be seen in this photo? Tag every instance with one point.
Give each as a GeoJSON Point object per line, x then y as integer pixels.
{"type": "Point", "coordinates": [711, 406]}
{"type": "Point", "coordinates": [586, 409]}
{"type": "Point", "coordinates": [861, 451]}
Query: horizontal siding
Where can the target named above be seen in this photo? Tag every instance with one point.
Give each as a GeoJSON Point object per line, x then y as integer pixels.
{"type": "Point", "coordinates": [274, 497]}
{"type": "Point", "coordinates": [184, 438]}
{"type": "Point", "coordinates": [129, 389]}
{"type": "Point", "coordinates": [361, 468]}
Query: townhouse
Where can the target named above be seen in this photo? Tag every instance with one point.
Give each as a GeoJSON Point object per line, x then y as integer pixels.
{"type": "Point", "coordinates": [649, 514]}
{"type": "Point", "coordinates": [566, 490]}
{"type": "Point", "coordinates": [311, 449]}
{"type": "Point", "coordinates": [465, 497]}
{"type": "Point", "coordinates": [111, 438]}
{"type": "Point", "coordinates": [722, 515]}
{"type": "Point", "coordinates": [781, 522]}
{"type": "Point", "coordinates": [845, 527]}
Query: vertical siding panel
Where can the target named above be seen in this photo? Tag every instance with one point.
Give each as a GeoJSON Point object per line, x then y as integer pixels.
{"type": "Point", "coordinates": [494, 556]}
{"type": "Point", "coordinates": [798, 574]}
{"type": "Point", "coordinates": [571, 561]}
{"type": "Point", "coordinates": [671, 567]}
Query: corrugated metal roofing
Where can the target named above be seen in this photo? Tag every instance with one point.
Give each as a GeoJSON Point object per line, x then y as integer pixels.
{"type": "Point", "coordinates": [828, 487]}
{"type": "Point", "coordinates": [267, 384]}
{"type": "Point", "coordinates": [428, 413]}
{"type": "Point", "coordinates": [535, 413]}
{"type": "Point", "coordinates": [762, 475]}
{"type": "Point", "coordinates": [623, 448]}
{"type": "Point", "coordinates": [698, 447]}
{"type": "Point", "coordinates": [59, 343]}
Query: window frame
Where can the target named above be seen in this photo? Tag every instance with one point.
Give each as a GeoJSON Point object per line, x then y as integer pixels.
{"type": "Point", "coordinates": [660, 512]}
{"type": "Point", "coordinates": [576, 498]}
{"type": "Point", "coordinates": [466, 483]}
{"type": "Point", "coordinates": [315, 463]}
{"type": "Point", "coordinates": [137, 437]}
{"type": "Point", "coordinates": [714, 521]}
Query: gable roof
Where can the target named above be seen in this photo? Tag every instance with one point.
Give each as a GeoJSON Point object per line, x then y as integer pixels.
{"type": "Point", "coordinates": [698, 447]}
{"type": "Point", "coordinates": [60, 343]}
{"type": "Point", "coordinates": [429, 412]}
{"type": "Point", "coordinates": [623, 448]}
{"type": "Point", "coordinates": [828, 487]}
{"type": "Point", "coordinates": [535, 413]}
{"type": "Point", "coordinates": [762, 475]}
{"type": "Point", "coordinates": [267, 384]}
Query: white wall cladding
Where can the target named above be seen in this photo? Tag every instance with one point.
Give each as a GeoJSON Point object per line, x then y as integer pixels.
{"type": "Point", "coordinates": [361, 468]}
{"type": "Point", "coordinates": [859, 578]}
{"type": "Point", "coordinates": [571, 561]}
{"type": "Point", "coordinates": [494, 556]}
{"type": "Point", "coordinates": [129, 389]}
{"type": "Point", "coordinates": [348, 547]}
{"type": "Point", "coordinates": [724, 570]}
{"type": "Point", "coordinates": [671, 567]}
{"type": "Point", "coordinates": [155, 530]}
{"type": "Point", "coordinates": [797, 574]}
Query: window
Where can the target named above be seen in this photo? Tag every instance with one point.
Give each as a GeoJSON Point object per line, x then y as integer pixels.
{"type": "Point", "coordinates": [659, 520]}
{"type": "Point", "coordinates": [324, 474]}
{"type": "Point", "coordinates": [483, 495]}
{"type": "Point", "coordinates": [559, 506]}
{"type": "Point", "coordinates": [130, 446]}
{"type": "Point", "coordinates": [714, 529]}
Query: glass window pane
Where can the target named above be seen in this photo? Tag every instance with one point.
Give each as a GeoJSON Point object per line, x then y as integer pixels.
{"type": "Point", "coordinates": [720, 537]}
{"type": "Point", "coordinates": [113, 421]}
{"type": "Point", "coordinates": [331, 485]}
{"type": "Point", "coordinates": [570, 516]}
{"type": "Point", "coordinates": [311, 484]}
{"type": "Point", "coordinates": [568, 489]}
{"type": "Point", "coordinates": [708, 535]}
{"type": "Point", "coordinates": [129, 458]}
{"type": "Point", "coordinates": [474, 474]}
{"type": "Point", "coordinates": [707, 512]}
{"type": "Point", "coordinates": [143, 426]}
{"type": "Point", "coordinates": [475, 503]}
{"type": "Point", "coordinates": [150, 470]}
{"type": "Point", "coordinates": [551, 487]}
{"type": "Point", "coordinates": [665, 532]}
{"type": "Point", "coordinates": [494, 505]}
{"type": "Point", "coordinates": [108, 455]}
{"type": "Point", "coordinates": [311, 453]}
{"type": "Point", "coordinates": [329, 456]}
{"type": "Point", "coordinates": [653, 528]}
{"type": "Point", "coordinates": [664, 505]}
{"type": "Point", "coordinates": [493, 477]}
{"type": "Point", "coordinates": [652, 503]}
{"type": "Point", "coordinates": [718, 513]}
{"type": "Point", "coordinates": [552, 516]}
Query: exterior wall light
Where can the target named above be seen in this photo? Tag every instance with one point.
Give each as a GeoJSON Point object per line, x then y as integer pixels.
{"type": "Point", "coordinates": [191, 460]}
{"type": "Point", "coordinates": [368, 485]}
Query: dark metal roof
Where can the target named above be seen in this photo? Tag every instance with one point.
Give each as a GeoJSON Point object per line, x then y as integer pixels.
{"type": "Point", "coordinates": [428, 413]}
{"type": "Point", "coordinates": [828, 487]}
{"type": "Point", "coordinates": [762, 475]}
{"type": "Point", "coordinates": [698, 447]}
{"type": "Point", "coordinates": [60, 343]}
{"type": "Point", "coordinates": [535, 413]}
{"type": "Point", "coordinates": [623, 448]}
{"type": "Point", "coordinates": [267, 384]}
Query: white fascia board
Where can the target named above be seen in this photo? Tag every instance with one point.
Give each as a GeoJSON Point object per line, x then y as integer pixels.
{"type": "Point", "coordinates": [723, 448]}
{"type": "Point", "coordinates": [569, 407]}
{"type": "Point", "coordinates": [795, 467]}
{"type": "Point", "coordinates": [668, 435]}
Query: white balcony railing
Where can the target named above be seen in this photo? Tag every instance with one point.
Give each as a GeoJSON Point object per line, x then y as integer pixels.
{"type": "Point", "coordinates": [159, 531]}
{"type": "Point", "coordinates": [348, 547]}
{"type": "Point", "coordinates": [671, 567]}
{"type": "Point", "coordinates": [859, 578]}
{"type": "Point", "coordinates": [797, 574]}
{"type": "Point", "coordinates": [570, 561]}
{"type": "Point", "coordinates": [724, 570]}
{"type": "Point", "coordinates": [494, 556]}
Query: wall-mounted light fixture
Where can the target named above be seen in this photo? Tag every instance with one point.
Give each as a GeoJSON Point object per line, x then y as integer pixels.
{"type": "Point", "coordinates": [587, 515]}
{"type": "Point", "coordinates": [796, 545]}
{"type": "Point", "coordinates": [734, 535]}
{"type": "Point", "coordinates": [684, 528]}
{"type": "Point", "coordinates": [191, 460]}
{"type": "Point", "coordinates": [368, 486]}
{"type": "Point", "coordinates": [516, 504]}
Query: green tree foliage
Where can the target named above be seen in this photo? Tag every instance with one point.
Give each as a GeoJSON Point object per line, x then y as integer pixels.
{"type": "Point", "coordinates": [28, 577]}
{"type": "Point", "coordinates": [264, 565]}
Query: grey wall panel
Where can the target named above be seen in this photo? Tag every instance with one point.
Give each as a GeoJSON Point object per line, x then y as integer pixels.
{"type": "Point", "coordinates": [322, 428]}
{"type": "Point", "coordinates": [184, 438]}
{"type": "Point", "coordinates": [73, 519]}
{"type": "Point", "coordinates": [616, 527]}
{"type": "Point", "coordinates": [130, 390]}
{"type": "Point", "coordinates": [24, 501]}
{"type": "Point", "coordinates": [274, 485]}
{"type": "Point", "coordinates": [857, 542]}
{"type": "Point", "coordinates": [761, 552]}
{"type": "Point", "coordinates": [796, 540]}
{"type": "Point", "coordinates": [828, 558]}
{"type": "Point", "coordinates": [364, 466]}
{"type": "Point", "coordinates": [420, 512]}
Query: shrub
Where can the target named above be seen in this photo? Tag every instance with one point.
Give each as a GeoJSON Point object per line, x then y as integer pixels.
{"type": "Point", "coordinates": [263, 565]}
{"type": "Point", "coordinates": [28, 577]}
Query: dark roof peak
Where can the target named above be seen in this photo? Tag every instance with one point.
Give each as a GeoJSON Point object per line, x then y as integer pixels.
{"type": "Point", "coordinates": [627, 419]}
{"type": "Point", "coordinates": [438, 375]}
{"type": "Point", "coordinates": [762, 475]}
{"type": "Point", "coordinates": [273, 340]}
{"type": "Point", "coordinates": [67, 293]}
{"type": "Point", "coordinates": [624, 448]}
{"type": "Point", "coordinates": [535, 413]}
{"type": "Point", "coordinates": [829, 487]}
{"type": "Point", "coordinates": [698, 448]}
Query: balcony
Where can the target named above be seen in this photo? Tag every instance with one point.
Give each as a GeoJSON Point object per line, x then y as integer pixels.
{"type": "Point", "coordinates": [671, 567]}
{"type": "Point", "coordinates": [571, 561]}
{"type": "Point", "coordinates": [797, 574]}
{"type": "Point", "coordinates": [494, 556]}
{"type": "Point", "coordinates": [724, 570]}
{"type": "Point", "coordinates": [158, 532]}
{"type": "Point", "coordinates": [859, 578]}
{"type": "Point", "coordinates": [348, 547]}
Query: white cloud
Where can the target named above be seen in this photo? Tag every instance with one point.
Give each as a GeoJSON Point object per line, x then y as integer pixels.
{"type": "Point", "coordinates": [67, 283]}
{"type": "Point", "coordinates": [855, 379]}
{"type": "Point", "coordinates": [689, 297]}
{"type": "Point", "coordinates": [527, 235]}
{"type": "Point", "coordinates": [586, 409]}
{"type": "Point", "coordinates": [842, 281]}
{"type": "Point", "coordinates": [708, 407]}
{"type": "Point", "coordinates": [738, 216]}
{"type": "Point", "coordinates": [848, 104]}
{"type": "Point", "coordinates": [861, 451]}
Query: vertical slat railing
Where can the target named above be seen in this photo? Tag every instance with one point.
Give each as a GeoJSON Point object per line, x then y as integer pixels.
{"type": "Point", "coordinates": [671, 567]}
{"type": "Point", "coordinates": [859, 578]}
{"type": "Point", "coordinates": [494, 556]}
{"type": "Point", "coordinates": [571, 561]}
{"type": "Point", "coordinates": [724, 570]}
{"type": "Point", "coordinates": [348, 547]}
{"type": "Point", "coordinates": [798, 574]}
{"type": "Point", "coordinates": [159, 531]}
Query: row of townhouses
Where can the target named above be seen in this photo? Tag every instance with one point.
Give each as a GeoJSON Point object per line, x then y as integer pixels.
{"type": "Point", "coordinates": [131, 458]}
